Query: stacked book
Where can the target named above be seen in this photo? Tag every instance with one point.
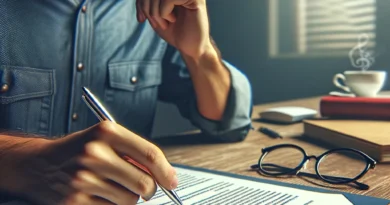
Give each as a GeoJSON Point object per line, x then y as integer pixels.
{"type": "Point", "coordinates": [355, 122]}
{"type": "Point", "coordinates": [377, 108]}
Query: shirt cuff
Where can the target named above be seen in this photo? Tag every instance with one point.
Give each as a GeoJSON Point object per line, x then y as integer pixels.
{"type": "Point", "coordinates": [238, 109]}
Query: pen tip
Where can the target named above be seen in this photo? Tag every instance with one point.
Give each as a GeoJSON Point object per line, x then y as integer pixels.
{"type": "Point", "coordinates": [85, 89]}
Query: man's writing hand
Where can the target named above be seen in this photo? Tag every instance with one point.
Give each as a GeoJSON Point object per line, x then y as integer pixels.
{"type": "Point", "coordinates": [182, 23]}
{"type": "Point", "coordinates": [86, 168]}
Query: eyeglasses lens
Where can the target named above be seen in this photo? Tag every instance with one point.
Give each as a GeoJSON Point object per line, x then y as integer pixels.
{"type": "Point", "coordinates": [282, 160]}
{"type": "Point", "coordinates": [341, 166]}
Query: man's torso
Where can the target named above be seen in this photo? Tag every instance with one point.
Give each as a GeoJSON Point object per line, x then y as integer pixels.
{"type": "Point", "coordinates": [50, 49]}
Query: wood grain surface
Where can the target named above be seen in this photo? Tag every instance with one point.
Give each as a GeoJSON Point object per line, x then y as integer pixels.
{"type": "Point", "coordinates": [193, 149]}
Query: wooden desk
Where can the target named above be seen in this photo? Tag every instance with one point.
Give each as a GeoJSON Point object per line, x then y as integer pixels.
{"type": "Point", "coordinates": [236, 158]}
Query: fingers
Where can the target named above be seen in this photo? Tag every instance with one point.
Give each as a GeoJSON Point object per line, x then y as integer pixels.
{"type": "Point", "coordinates": [167, 7]}
{"type": "Point", "coordinates": [155, 14]}
{"type": "Point", "coordinates": [158, 12]}
{"type": "Point", "coordinates": [145, 7]}
{"type": "Point", "coordinates": [139, 149]}
{"type": "Point", "coordinates": [91, 184]}
{"type": "Point", "coordinates": [140, 14]}
{"type": "Point", "coordinates": [103, 160]}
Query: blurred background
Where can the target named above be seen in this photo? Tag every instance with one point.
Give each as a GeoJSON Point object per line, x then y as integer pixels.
{"type": "Point", "coordinates": [291, 49]}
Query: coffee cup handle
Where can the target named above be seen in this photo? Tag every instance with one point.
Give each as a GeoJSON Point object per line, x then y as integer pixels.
{"type": "Point", "coordinates": [336, 81]}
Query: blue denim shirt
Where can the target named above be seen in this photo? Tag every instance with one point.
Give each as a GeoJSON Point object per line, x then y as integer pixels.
{"type": "Point", "coordinates": [50, 49]}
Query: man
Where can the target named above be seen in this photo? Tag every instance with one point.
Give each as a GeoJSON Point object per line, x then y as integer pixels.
{"type": "Point", "coordinates": [130, 54]}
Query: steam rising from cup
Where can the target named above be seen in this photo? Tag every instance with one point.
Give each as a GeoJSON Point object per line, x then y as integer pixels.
{"type": "Point", "coordinates": [364, 58]}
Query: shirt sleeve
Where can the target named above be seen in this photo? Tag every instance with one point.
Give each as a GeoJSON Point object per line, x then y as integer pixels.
{"type": "Point", "coordinates": [177, 88]}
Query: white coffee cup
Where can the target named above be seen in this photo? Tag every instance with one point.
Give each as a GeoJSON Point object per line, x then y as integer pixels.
{"type": "Point", "coordinates": [361, 83]}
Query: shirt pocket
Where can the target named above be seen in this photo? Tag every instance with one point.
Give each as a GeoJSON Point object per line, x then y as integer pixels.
{"type": "Point", "coordinates": [132, 91]}
{"type": "Point", "coordinates": [26, 97]}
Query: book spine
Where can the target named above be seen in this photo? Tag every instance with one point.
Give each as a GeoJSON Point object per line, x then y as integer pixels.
{"type": "Point", "coordinates": [354, 110]}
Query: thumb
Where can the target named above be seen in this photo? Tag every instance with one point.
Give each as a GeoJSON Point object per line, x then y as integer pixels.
{"type": "Point", "coordinates": [167, 9]}
{"type": "Point", "coordinates": [170, 17]}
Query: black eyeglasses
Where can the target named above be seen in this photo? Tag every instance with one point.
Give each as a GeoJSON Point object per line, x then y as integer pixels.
{"type": "Point", "coordinates": [336, 166]}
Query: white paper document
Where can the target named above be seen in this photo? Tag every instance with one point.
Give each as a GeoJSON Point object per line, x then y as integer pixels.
{"type": "Point", "coordinates": [197, 187]}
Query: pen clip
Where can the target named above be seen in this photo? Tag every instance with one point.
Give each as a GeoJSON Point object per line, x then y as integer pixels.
{"type": "Point", "coordinates": [94, 104]}
{"type": "Point", "coordinates": [91, 107]}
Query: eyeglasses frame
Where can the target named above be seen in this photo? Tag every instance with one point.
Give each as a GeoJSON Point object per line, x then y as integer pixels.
{"type": "Point", "coordinates": [370, 162]}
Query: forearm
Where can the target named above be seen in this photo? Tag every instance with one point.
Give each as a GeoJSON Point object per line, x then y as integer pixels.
{"type": "Point", "coordinates": [211, 80]}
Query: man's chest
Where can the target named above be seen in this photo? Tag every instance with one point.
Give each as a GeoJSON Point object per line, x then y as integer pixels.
{"type": "Point", "coordinates": [50, 49]}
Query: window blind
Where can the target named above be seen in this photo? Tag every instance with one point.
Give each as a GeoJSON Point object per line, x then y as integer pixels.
{"type": "Point", "coordinates": [334, 26]}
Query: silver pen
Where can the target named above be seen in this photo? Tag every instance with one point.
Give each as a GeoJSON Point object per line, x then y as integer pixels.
{"type": "Point", "coordinates": [102, 114]}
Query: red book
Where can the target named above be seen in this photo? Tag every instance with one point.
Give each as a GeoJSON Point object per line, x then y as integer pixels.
{"type": "Point", "coordinates": [355, 107]}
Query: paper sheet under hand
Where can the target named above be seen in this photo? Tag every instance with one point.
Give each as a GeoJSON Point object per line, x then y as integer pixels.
{"type": "Point", "coordinates": [198, 188]}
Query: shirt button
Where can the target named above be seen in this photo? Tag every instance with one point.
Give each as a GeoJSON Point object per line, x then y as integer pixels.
{"type": "Point", "coordinates": [4, 88]}
{"type": "Point", "coordinates": [75, 116]}
{"type": "Point", "coordinates": [84, 9]}
{"type": "Point", "coordinates": [134, 79]}
{"type": "Point", "coordinates": [80, 66]}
